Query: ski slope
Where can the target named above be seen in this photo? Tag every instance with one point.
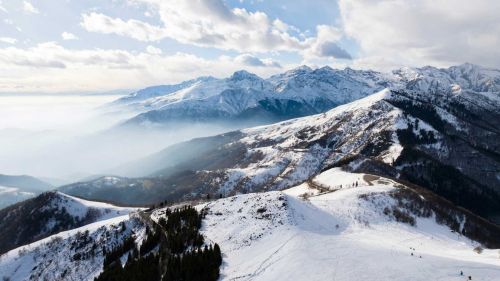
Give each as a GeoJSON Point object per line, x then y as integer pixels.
{"type": "Point", "coordinates": [337, 236]}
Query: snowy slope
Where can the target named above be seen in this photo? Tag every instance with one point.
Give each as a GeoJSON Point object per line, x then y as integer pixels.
{"type": "Point", "coordinates": [71, 255]}
{"type": "Point", "coordinates": [79, 208]}
{"type": "Point", "coordinates": [339, 236]}
{"type": "Point", "coordinates": [154, 91]}
{"type": "Point", "coordinates": [341, 233]}
{"type": "Point", "coordinates": [50, 213]}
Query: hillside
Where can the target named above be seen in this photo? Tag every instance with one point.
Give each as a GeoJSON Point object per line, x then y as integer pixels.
{"type": "Point", "coordinates": [47, 214]}
{"type": "Point", "coordinates": [358, 232]}
{"type": "Point", "coordinates": [27, 183]}
{"type": "Point", "coordinates": [337, 224]}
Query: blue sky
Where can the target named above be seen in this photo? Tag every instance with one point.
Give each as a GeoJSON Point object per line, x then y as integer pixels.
{"type": "Point", "coordinates": [86, 46]}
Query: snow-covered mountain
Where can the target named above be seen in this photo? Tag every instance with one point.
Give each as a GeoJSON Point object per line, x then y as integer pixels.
{"type": "Point", "coordinates": [354, 233]}
{"type": "Point", "coordinates": [444, 139]}
{"type": "Point", "coordinates": [245, 97]}
{"type": "Point", "coordinates": [50, 213]}
{"type": "Point", "coordinates": [399, 176]}
{"type": "Point", "coordinates": [347, 225]}
{"type": "Point", "coordinates": [461, 77]}
{"type": "Point", "coordinates": [155, 91]}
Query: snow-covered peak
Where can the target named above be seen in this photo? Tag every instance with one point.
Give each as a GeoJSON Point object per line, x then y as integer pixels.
{"type": "Point", "coordinates": [324, 69]}
{"type": "Point", "coordinates": [244, 75]}
{"type": "Point", "coordinates": [160, 90]}
{"type": "Point", "coordinates": [465, 76]}
{"type": "Point", "coordinates": [301, 69]}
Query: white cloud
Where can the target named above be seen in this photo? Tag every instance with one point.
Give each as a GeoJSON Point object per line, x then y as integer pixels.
{"type": "Point", "coordinates": [211, 23]}
{"type": "Point", "coordinates": [29, 8]}
{"type": "Point", "coordinates": [8, 40]}
{"type": "Point", "coordinates": [2, 8]}
{"type": "Point", "coordinates": [441, 33]}
{"type": "Point", "coordinates": [324, 45]}
{"type": "Point", "coordinates": [90, 70]}
{"type": "Point", "coordinates": [68, 36]}
{"type": "Point", "coordinates": [250, 60]}
{"type": "Point", "coordinates": [153, 50]}
{"type": "Point", "coordinates": [96, 22]}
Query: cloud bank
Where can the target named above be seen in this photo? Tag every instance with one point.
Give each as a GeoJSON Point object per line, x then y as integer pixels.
{"type": "Point", "coordinates": [50, 67]}
{"type": "Point", "coordinates": [395, 33]}
{"type": "Point", "coordinates": [212, 23]}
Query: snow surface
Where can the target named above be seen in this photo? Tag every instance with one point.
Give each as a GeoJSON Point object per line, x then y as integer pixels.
{"type": "Point", "coordinates": [334, 235]}
{"type": "Point", "coordinates": [53, 256]}
{"type": "Point", "coordinates": [77, 207]}
{"type": "Point", "coordinates": [337, 236]}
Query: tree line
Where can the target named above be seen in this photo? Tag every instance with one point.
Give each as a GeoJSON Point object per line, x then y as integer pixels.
{"type": "Point", "coordinates": [173, 250]}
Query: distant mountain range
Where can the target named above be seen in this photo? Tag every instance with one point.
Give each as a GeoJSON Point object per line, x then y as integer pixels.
{"type": "Point", "coordinates": [246, 98]}
{"type": "Point", "coordinates": [14, 189]}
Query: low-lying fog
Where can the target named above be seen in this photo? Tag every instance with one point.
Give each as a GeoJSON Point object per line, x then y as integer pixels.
{"type": "Point", "coordinates": [69, 137]}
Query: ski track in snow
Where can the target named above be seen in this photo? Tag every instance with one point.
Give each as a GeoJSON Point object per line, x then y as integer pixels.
{"type": "Point", "coordinates": [311, 246]}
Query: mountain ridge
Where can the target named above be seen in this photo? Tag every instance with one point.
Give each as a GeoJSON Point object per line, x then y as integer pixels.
{"type": "Point", "coordinates": [434, 139]}
{"type": "Point", "coordinates": [297, 92]}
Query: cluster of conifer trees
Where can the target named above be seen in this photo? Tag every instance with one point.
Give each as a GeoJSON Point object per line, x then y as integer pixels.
{"type": "Point", "coordinates": [174, 250]}
{"type": "Point", "coordinates": [200, 264]}
{"type": "Point", "coordinates": [115, 254]}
